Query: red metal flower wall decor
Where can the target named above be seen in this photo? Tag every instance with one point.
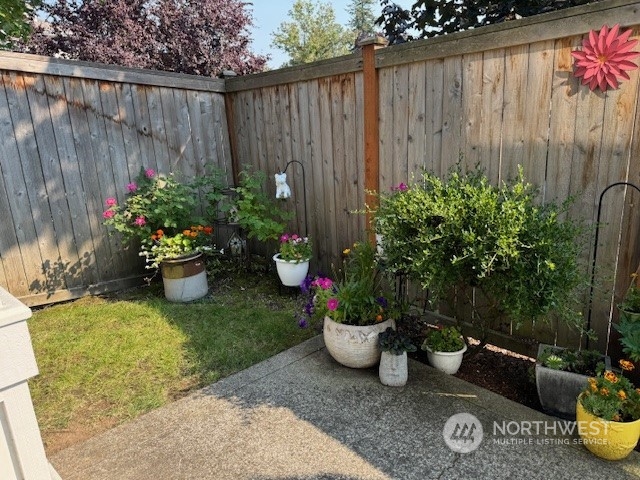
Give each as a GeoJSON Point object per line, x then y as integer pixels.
{"type": "Point", "coordinates": [605, 57]}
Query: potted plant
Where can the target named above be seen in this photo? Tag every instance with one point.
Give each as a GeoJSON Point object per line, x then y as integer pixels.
{"type": "Point", "coordinates": [354, 309]}
{"type": "Point", "coordinates": [608, 412]}
{"type": "Point", "coordinates": [466, 235]}
{"type": "Point", "coordinates": [629, 323]}
{"type": "Point", "coordinates": [445, 347]}
{"type": "Point", "coordinates": [292, 262]}
{"type": "Point", "coordinates": [393, 370]}
{"type": "Point", "coordinates": [158, 215]}
{"type": "Point", "coordinates": [561, 374]}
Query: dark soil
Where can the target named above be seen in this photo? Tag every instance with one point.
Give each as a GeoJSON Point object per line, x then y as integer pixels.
{"type": "Point", "coordinates": [501, 371]}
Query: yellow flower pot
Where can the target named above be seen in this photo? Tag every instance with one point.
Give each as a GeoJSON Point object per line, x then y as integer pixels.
{"type": "Point", "coordinates": [605, 439]}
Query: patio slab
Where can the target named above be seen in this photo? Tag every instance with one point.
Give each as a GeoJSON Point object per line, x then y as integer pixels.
{"type": "Point", "coordinates": [300, 415]}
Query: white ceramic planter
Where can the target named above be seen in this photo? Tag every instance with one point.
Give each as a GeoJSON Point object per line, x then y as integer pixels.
{"type": "Point", "coordinates": [447, 362]}
{"type": "Point", "coordinates": [352, 345]}
{"type": "Point", "coordinates": [184, 278]}
{"type": "Point", "coordinates": [291, 273]}
{"type": "Point", "coordinates": [393, 369]}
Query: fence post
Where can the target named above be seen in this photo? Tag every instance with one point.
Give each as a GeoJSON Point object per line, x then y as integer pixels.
{"type": "Point", "coordinates": [371, 134]}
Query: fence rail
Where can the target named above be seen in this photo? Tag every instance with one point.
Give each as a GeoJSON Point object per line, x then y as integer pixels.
{"type": "Point", "coordinates": [499, 96]}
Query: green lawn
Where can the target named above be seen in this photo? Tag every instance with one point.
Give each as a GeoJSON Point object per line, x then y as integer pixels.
{"type": "Point", "coordinates": [104, 361]}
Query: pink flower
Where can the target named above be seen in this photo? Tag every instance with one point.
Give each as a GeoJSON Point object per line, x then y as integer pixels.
{"type": "Point", "coordinates": [284, 238]}
{"type": "Point", "coordinates": [403, 187]}
{"type": "Point", "coordinates": [110, 202]}
{"type": "Point", "coordinates": [108, 214]}
{"type": "Point", "coordinates": [605, 56]}
{"type": "Point", "coordinates": [332, 304]}
{"type": "Point", "coordinates": [132, 187]}
{"type": "Point", "coordinates": [140, 221]}
{"type": "Point", "coordinates": [150, 173]}
{"type": "Point", "coordinates": [325, 283]}
{"type": "Point", "coordinates": [294, 237]}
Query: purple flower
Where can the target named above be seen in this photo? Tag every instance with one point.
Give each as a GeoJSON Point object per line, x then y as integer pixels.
{"type": "Point", "coordinates": [332, 304]}
{"type": "Point", "coordinates": [284, 238]}
{"type": "Point", "coordinates": [132, 187]}
{"type": "Point", "coordinates": [305, 286]}
{"type": "Point", "coordinates": [110, 202]}
{"type": "Point", "coordinates": [150, 173]}
{"type": "Point", "coordinates": [382, 302]}
{"type": "Point", "coordinates": [308, 308]}
{"type": "Point", "coordinates": [403, 187]}
{"type": "Point", "coordinates": [140, 221]}
{"type": "Point", "coordinates": [302, 322]}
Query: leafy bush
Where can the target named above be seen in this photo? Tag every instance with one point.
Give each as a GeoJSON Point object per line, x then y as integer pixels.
{"type": "Point", "coordinates": [444, 339]}
{"type": "Point", "coordinates": [585, 362]}
{"type": "Point", "coordinates": [257, 213]}
{"type": "Point", "coordinates": [464, 232]}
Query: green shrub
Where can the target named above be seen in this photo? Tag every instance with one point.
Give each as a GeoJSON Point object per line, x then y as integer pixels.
{"type": "Point", "coordinates": [464, 232]}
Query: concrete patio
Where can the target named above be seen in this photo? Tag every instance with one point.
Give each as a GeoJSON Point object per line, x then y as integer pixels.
{"type": "Point", "coordinates": [300, 415]}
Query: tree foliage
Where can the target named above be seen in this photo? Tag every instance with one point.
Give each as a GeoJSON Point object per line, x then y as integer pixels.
{"type": "Point", "coordinates": [428, 18]}
{"type": "Point", "coordinates": [200, 37]}
{"type": "Point", "coordinates": [362, 18]}
{"type": "Point", "coordinates": [15, 18]}
{"type": "Point", "coordinates": [312, 34]}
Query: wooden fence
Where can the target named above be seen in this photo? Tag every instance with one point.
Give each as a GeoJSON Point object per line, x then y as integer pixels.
{"type": "Point", "coordinates": [500, 96]}
{"type": "Point", "coordinates": [74, 134]}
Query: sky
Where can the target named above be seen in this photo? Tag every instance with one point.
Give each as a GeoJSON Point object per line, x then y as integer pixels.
{"type": "Point", "coordinates": [269, 14]}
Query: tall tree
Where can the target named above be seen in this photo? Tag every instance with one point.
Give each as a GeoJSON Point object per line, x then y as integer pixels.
{"type": "Point", "coordinates": [362, 18]}
{"type": "Point", "coordinates": [428, 18]}
{"type": "Point", "coordinates": [200, 37]}
{"type": "Point", "coordinates": [312, 34]}
{"type": "Point", "coordinates": [15, 20]}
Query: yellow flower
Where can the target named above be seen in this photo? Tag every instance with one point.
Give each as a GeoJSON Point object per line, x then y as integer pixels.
{"type": "Point", "coordinates": [346, 251]}
{"type": "Point", "coordinates": [604, 392]}
{"type": "Point", "coordinates": [622, 395]}
{"type": "Point", "coordinates": [610, 376]}
{"type": "Point", "coordinates": [593, 385]}
{"type": "Point", "coordinates": [626, 365]}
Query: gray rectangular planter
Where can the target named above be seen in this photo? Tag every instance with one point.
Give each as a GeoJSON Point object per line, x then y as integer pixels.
{"type": "Point", "coordinates": [558, 390]}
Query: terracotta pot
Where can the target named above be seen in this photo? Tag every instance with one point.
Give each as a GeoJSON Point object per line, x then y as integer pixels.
{"type": "Point", "coordinates": [353, 345]}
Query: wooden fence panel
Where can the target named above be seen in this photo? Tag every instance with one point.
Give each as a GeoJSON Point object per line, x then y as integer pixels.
{"type": "Point", "coordinates": [71, 139]}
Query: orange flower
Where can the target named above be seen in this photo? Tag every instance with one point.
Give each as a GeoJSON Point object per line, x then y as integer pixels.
{"type": "Point", "coordinates": [159, 232]}
{"type": "Point", "coordinates": [593, 385]}
{"type": "Point", "coordinates": [378, 318]}
{"type": "Point", "coordinates": [622, 395]}
{"type": "Point", "coordinates": [626, 365]}
{"type": "Point", "coordinates": [193, 234]}
{"type": "Point", "coordinates": [200, 228]}
{"type": "Point", "coordinates": [610, 376]}
{"type": "Point", "coordinates": [617, 418]}
{"type": "Point", "coordinates": [208, 230]}
{"type": "Point", "coordinates": [154, 237]}
{"type": "Point", "coordinates": [604, 392]}
{"type": "Point", "coordinates": [186, 233]}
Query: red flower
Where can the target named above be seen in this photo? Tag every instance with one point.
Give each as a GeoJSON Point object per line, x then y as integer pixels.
{"type": "Point", "coordinates": [605, 56]}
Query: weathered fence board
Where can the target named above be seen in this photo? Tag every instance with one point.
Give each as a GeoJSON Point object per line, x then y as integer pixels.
{"type": "Point", "coordinates": [74, 134]}
{"type": "Point", "coordinates": [501, 97]}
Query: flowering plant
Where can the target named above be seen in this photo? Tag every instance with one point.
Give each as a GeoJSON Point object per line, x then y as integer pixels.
{"type": "Point", "coordinates": [163, 247]}
{"type": "Point", "coordinates": [154, 213]}
{"type": "Point", "coordinates": [444, 339]}
{"type": "Point", "coordinates": [358, 298]}
{"type": "Point", "coordinates": [153, 202]}
{"type": "Point", "coordinates": [611, 396]}
{"type": "Point", "coordinates": [295, 248]}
